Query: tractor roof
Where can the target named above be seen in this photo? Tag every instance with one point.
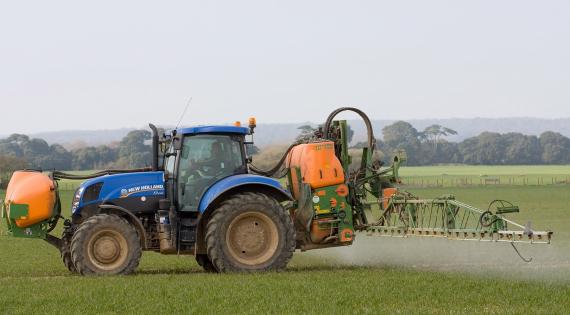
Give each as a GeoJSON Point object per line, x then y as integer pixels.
{"type": "Point", "coordinates": [214, 129]}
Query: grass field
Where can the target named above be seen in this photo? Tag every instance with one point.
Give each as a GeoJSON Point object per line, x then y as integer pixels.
{"type": "Point", "coordinates": [376, 275]}
{"type": "Point", "coordinates": [490, 170]}
{"type": "Point", "coordinates": [474, 175]}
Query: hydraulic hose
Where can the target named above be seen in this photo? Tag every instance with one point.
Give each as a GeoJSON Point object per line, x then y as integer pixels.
{"type": "Point", "coordinates": [327, 130]}
{"type": "Point", "coordinates": [328, 123]}
{"type": "Point", "coordinates": [271, 172]}
{"type": "Point", "coordinates": [63, 175]}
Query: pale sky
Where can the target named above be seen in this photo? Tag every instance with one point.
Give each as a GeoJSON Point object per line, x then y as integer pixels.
{"type": "Point", "coordinates": [112, 64]}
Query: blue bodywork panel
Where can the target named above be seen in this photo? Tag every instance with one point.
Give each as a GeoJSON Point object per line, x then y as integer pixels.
{"type": "Point", "coordinates": [213, 129]}
{"type": "Point", "coordinates": [235, 181]}
{"type": "Point", "coordinates": [147, 184]}
{"type": "Point", "coordinates": [151, 184]}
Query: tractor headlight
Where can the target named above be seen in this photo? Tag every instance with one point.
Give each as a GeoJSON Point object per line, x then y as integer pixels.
{"type": "Point", "coordinates": [76, 199]}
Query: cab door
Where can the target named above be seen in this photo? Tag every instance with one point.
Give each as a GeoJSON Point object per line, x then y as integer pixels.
{"type": "Point", "coordinates": [205, 159]}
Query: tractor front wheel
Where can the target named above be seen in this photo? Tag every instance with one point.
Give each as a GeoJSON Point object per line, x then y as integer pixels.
{"type": "Point", "coordinates": [105, 245]}
{"type": "Point", "coordinates": [65, 251]}
{"type": "Point", "coordinates": [250, 232]}
{"type": "Point", "coordinates": [204, 261]}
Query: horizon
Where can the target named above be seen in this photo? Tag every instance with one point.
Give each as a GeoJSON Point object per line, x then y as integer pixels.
{"type": "Point", "coordinates": [283, 123]}
{"type": "Point", "coordinates": [268, 134]}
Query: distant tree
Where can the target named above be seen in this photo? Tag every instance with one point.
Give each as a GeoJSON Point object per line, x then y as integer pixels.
{"type": "Point", "coordinates": [487, 148]}
{"type": "Point", "coordinates": [9, 164]}
{"type": "Point", "coordinates": [133, 152]}
{"type": "Point", "coordinates": [91, 158]}
{"type": "Point", "coordinates": [58, 158]}
{"type": "Point", "coordinates": [402, 135]}
{"type": "Point", "coordinates": [434, 133]}
{"type": "Point", "coordinates": [306, 131]}
{"type": "Point", "coordinates": [555, 148]}
{"type": "Point", "coordinates": [447, 152]}
{"type": "Point", "coordinates": [78, 144]}
{"type": "Point", "coordinates": [10, 149]}
{"type": "Point", "coordinates": [521, 149]}
{"type": "Point", "coordinates": [37, 153]}
{"type": "Point", "coordinates": [107, 155]}
{"type": "Point", "coordinates": [84, 158]}
{"type": "Point", "coordinates": [18, 139]}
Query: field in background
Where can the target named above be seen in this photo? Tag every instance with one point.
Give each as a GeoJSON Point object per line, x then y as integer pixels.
{"type": "Point", "coordinates": [376, 275]}
{"type": "Point", "coordinates": [480, 175]}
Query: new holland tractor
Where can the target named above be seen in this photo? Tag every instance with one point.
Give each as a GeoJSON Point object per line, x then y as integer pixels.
{"type": "Point", "coordinates": [203, 196]}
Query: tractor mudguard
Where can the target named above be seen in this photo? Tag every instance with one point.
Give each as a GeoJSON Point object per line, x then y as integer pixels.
{"type": "Point", "coordinates": [240, 183]}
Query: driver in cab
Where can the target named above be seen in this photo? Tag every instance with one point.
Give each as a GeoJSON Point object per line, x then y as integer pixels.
{"type": "Point", "coordinates": [212, 165]}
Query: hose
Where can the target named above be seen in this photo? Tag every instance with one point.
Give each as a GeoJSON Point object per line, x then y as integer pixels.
{"type": "Point", "coordinates": [327, 129]}
{"type": "Point", "coordinates": [271, 172]}
{"type": "Point", "coordinates": [63, 175]}
{"type": "Point", "coordinates": [328, 123]}
{"type": "Point", "coordinates": [526, 260]}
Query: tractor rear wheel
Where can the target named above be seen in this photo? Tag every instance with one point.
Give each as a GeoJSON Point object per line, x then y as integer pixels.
{"type": "Point", "coordinates": [250, 232]}
{"type": "Point", "coordinates": [105, 244]}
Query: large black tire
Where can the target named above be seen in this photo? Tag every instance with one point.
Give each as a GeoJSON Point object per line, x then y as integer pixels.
{"type": "Point", "coordinates": [65, 252]}
{"type": "Point", "coordinates": [204, 261]}
{"type": "Point", "coordinates": [105, 245]}
{"type": "Point", "coordinates": [250, 232]}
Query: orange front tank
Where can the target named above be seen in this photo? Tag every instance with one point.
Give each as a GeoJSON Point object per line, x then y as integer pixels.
{"type": "Point", "coordinates": [317, 163]}
{"type": "Point", "coordinates": [34, 189]}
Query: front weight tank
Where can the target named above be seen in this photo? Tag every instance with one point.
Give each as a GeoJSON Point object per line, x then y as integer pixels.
{"type": "Point", "coordinates": [30, 199]}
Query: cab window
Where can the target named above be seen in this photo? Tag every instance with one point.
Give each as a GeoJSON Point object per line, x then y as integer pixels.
{"type": "Point", "coordinates": [205, 159]}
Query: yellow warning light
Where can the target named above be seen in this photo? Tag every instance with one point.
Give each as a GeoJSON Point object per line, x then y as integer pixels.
{"type": "Point", "coordinates": [237, 124]}
{"type": "Point", "coordinates": [252, 121]}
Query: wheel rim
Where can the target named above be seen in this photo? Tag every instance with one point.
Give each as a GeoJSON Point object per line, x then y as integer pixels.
{"type": "Point", "coordinates": [252, 238]}
{"type": "Point", "coordinates": [107, 249]}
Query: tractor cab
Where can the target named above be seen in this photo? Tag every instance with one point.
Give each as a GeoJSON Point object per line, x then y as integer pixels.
{"type": "Point", "coordinates": [201, 156]}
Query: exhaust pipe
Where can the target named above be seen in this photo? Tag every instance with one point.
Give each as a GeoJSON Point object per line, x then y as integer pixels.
{"type": "Point", "coordinates": [154, 147]}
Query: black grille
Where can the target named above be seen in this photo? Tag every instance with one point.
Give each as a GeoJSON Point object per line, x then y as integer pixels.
{"type": "Point", "coordinates": [92, 192]}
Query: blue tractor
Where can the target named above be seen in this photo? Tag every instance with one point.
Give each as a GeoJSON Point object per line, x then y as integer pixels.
{"type": "Point", "coordinates": [201, 196]}
{"type": "Point", "coordinates": [197, 198]}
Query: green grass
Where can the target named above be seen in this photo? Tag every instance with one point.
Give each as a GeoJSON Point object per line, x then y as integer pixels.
{"type": "Point", "coordinates": [319, 290]}
{"type": "Point", "coordinates": [493, 170]}
{"type": "Point", "coordinates": [376, 275]}
{"type": "Point", "coordinates": [462, 175]}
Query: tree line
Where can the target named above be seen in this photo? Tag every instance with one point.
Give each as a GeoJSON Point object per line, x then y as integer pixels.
{"type": "Point", "coordinates": [425, 147]}
{"type": "Point", "coordinates": [428, 147]}
{"type": "Point", "coordinates": [20, 151]}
